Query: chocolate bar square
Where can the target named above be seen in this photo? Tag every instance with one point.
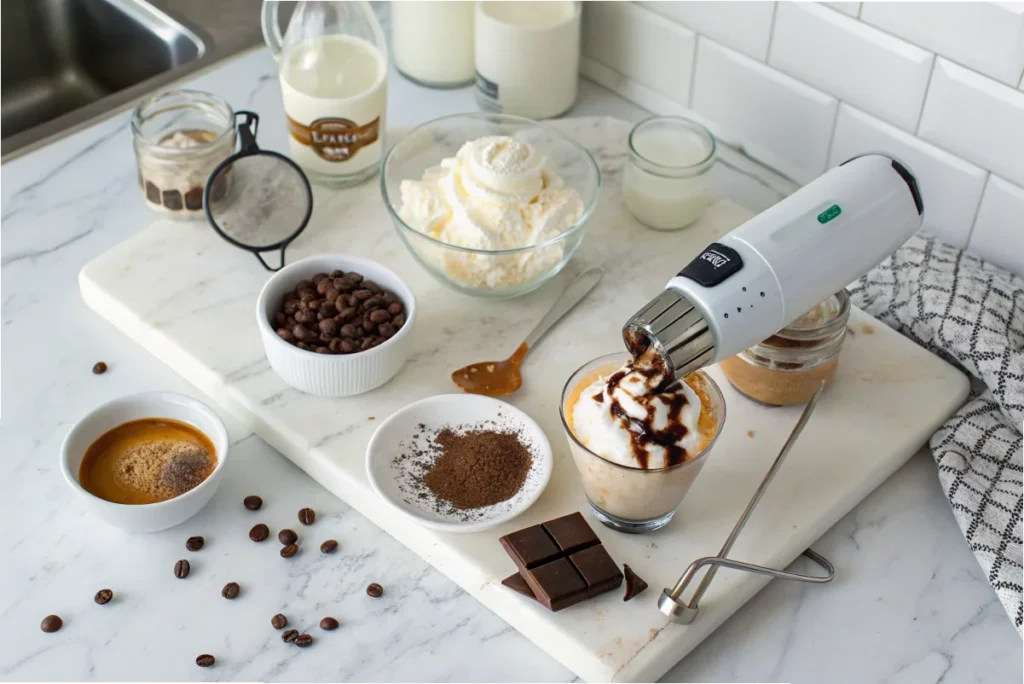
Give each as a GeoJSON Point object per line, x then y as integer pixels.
{"type": "Point", "coordinates": [561, 562]}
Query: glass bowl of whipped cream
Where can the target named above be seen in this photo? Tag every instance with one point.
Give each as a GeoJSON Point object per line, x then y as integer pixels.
{"type": "Point", "coordinates": [639, 437]}
{"type": "Point", "coordinates": [490, 204]}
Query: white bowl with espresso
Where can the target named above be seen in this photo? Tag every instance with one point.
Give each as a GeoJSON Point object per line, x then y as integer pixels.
{"type": "Point", "coordinates": [178, 486]}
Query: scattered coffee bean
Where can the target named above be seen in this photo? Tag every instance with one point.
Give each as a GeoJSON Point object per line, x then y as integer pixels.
{"type": "Point", "coordinates": [230, 590]}
{"type": "Point", "coordinates": [287, 536]}
{"type": "Point", "coordinates": [289, 636]}
{"type": "Point", "coordinates": [103, 596]}
{"type": "Point", "coordinates": [328, 623]}
{"type": "Point", "coordinates": [181, 569]}
{"type": "Point", "coordinates": [318, 316]}
{"type": "Point", "coordinates": [289, 551]}
{"type": "Point", "coordinates": [100, 368]}
{"type": "Point", "coordinates": [279, 621]}
{"type": "Point", "coordinates": [303, 640]}
{"type": "Point", "coordinates": [253, 503]}
{"type": "Point", "coordinates": [194, 543]}
{"type": "Point", "coordinates": [205, 660]}
{"type": "Point", "coordinates": [329, 546]}
{"type": "Point", "coordinates": [259, 532]}
{"type": "Point", "coordinates": [375, 590]}
{"type": "Point", "coordinates": [51, 623]}
{"type": "Point", "coordinates": [307, 516]}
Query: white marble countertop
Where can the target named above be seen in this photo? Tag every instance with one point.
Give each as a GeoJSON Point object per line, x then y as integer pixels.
{"type": "Point", "coordinates": [909, 604]}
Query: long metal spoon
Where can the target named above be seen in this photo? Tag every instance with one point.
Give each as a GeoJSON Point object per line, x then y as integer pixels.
{"type": "Point", "coordinates": [499, 378]}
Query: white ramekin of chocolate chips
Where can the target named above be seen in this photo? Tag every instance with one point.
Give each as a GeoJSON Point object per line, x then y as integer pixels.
{"type": "Point", "coordinates": [336, 325]}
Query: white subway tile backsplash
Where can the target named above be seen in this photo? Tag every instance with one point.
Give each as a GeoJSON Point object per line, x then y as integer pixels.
{"type": "Point", "coordinates": [782, 122]}
{"type": "Point", "coordinates": [950, 187]}
{"type": "Point", "coordinates": [998, 234]}
{"type": "Point", "coordinates": [976, 118]}
{"type": "Point", "coordinates": [861, 65]}
{"type": "Point", "coordinates": [850, 8]}
{"type": "Point", "coordinates": [744, 26]}
{"type": "Point", "coordinates": [986, 36]}
{"type": "Point", "coordinates": [642, 45]}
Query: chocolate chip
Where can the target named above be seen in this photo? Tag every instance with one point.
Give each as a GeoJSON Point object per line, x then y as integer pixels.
{"type": "Point", "coordinates": [152, 192]}
{"type": "Point", "coordinates": [194, 543]}
{"type": "Point", "coordinates": [307, 516]}
{"type": "Point", "coordinates": [303, 640]}
{"type": "Point", "coordinates": [259, 532]}
{"type": "Point", "coordinates": [289, 551]}
{"type": "Point", "coordinates": [51, 623]}
{"type": "Point", "coordinates": [172, 200]}
{"type": "Point", "coordinates": [103, 596]}
{"type": "Point", "coordinates": [290, 636]}
{"type": "Point", "coordinates": [329, 546]}
{"type": "Point", "coordinates": [194, 199]}
{"type": "Point", "coordinates": [279, 621]}
{"type": "Point", "coordinates": [230, 590]}
{"type": "Point", "coordinates": [181, 569]}
{"type": "Point", "coordinates": [329, 623]}
{"type": "Point", "coordinates": [375, 590]}
{"type": "Point", "coordinates": [287, 536]}
{"type": "Point", "coordinates": [100, 368]}
{"type": "Point", "coordinates": [205, 660]}
{"type": "Point", "coordinates": [253, 502]}
{"type": "Point", "coordinates": [634, 583]}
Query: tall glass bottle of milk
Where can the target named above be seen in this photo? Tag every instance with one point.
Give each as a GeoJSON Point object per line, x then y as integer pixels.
{"type": "Point", "coordinates": [333, 72]}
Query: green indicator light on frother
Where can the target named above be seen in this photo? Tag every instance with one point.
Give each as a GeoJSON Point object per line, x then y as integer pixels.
{"type": "Point", "coordinates": [829, 214]}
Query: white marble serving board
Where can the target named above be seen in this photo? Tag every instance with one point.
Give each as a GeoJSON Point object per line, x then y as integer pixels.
{"type": "Point", "coordinates": [188, 297]}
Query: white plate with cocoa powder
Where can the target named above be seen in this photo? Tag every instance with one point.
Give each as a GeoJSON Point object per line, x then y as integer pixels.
{"type": "Point", "coordinates": [459, 462]}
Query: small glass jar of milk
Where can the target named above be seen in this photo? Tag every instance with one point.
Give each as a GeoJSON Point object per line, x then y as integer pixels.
{"type": "Point", "coordinates": [432, 42]}
{"type": "Point", "coordinates": [666, 181]}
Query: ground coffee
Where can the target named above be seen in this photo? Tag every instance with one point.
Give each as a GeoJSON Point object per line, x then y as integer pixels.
{"type": "Point", "coordinates": [478, 468]}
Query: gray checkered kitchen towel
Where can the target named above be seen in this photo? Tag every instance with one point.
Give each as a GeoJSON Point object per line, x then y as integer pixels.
{"type": "Point", "coordinates": [971, 314]}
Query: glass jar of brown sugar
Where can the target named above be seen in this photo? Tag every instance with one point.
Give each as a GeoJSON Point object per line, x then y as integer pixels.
{"type": "Point", "coordinates": [788, 367]}
{"type": "Point", "coordinates": [180, 136]}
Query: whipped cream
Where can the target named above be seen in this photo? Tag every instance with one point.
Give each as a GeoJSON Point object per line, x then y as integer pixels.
{"type": "Point", "coordinates": [496, 193]}
{"type": "Point", "coordinates": [639, 416]}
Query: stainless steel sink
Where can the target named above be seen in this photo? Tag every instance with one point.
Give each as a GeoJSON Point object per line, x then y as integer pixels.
{"type": "Point", "coordinates": [66, 62]}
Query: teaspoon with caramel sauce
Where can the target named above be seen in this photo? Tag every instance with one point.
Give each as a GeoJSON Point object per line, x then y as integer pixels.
{"type": "Point", "coordinates": [499, 378]}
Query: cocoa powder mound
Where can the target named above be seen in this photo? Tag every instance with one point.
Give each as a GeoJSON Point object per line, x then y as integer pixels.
{"type": "Point", "coordinates": [478, 468]}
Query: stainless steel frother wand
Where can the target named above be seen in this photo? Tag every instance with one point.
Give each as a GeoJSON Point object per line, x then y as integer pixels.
{"type": "Point", "coordinates": [671, 604]}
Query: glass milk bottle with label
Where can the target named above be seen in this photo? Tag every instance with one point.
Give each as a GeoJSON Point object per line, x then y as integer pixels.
{"type": "Point", "coordinates": [333, 73]}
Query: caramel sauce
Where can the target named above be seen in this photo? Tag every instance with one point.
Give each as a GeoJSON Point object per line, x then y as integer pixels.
{"type": "Point", "coordinates": [492, 378]}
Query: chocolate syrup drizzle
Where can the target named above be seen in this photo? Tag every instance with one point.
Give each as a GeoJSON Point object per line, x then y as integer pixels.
{"type": "Point", "coordinates": [641, 432]}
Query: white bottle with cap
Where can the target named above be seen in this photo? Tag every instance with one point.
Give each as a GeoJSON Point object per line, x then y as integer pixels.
{"type": "Point", "coordinates": [527, 56]}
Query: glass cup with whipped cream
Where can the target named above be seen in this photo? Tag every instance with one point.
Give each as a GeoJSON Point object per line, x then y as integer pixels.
{"type": "Point", "coordinates": [491, 204]}
{"type": "Point", "coordinates": [639, 437]}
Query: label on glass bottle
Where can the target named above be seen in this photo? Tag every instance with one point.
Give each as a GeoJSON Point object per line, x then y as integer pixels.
{"type": "Point", "coordinates": [334, 139]}
{"type": "Point", "coordinates": [486, 87]}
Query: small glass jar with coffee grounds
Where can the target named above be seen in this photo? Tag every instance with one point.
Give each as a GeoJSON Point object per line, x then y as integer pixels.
{"type": "Point", "coordinates": [787, 367]}
{"type": "Point", "coordinates": [180, 136]}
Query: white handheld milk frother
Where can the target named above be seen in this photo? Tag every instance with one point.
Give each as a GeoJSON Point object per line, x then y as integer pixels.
{"type": "Point", "coordinates": [769, 271]}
